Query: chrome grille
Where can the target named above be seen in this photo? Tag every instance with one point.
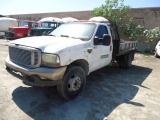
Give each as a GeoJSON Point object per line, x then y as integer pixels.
{"type": "Point", "coordinates": [29, 57]}
{"type": "Point", "coordinates": [35, 33]}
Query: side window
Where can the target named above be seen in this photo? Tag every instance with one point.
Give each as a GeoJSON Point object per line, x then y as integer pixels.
{"type": "Point", "coordinates": [101, 31]}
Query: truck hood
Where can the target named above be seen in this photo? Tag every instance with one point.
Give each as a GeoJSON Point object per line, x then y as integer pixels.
{"type": "Point", "coordinates": [42, 28]}
{"type": "Point", "coordinates": [49, 44]}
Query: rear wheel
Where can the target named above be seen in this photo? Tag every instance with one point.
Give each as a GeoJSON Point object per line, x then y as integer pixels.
{"type": "Point", "coordinates": [121, 63]}
{"type": "Point", "coordinates": [125, 61]}
{"type": "Point", "coordinates": [128, 60]}
{"type": "Point", "coordinates": [72, 83]}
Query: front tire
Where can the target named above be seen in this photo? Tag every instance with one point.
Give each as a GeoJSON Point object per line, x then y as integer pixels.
{"type": "Point", "coordinates": [72, 83]}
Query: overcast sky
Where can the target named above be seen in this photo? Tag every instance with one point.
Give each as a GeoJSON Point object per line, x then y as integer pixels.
{"type": "Point", "coordinates": [9, 7]}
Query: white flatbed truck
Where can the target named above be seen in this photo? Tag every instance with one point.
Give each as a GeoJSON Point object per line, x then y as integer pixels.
{"type": "Point", "coordinates": [68, 54]}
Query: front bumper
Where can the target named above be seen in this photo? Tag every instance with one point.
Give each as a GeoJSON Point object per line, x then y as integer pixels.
{"type": "Point", "coordinates": [9, 35]}
{"type": "Point", "coordinates": [41, 76]}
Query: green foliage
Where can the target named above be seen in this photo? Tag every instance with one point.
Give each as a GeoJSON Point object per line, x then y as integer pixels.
{"type": "Point", "coordinates": [115, 10]}
{"type": "Point", "coordinates": [153, 36]}
{"type": "Point", "coordinates": [134, 31]}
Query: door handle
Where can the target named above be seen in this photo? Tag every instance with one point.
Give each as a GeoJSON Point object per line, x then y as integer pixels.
{"type": "Point", "coordinates": [110, 48]}
{"type": "Point", "coordinates": [89, 50]}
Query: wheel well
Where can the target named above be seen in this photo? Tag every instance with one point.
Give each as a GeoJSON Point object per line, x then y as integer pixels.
{"type": "Point", "coordinates": [121, 57]}
{"type": "Point", "coordinates": [81, 63]}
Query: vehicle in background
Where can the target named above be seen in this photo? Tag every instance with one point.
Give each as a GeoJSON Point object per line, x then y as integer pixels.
{"type": "Point", "coordinates": [6, 23]}
{"type": "Point", "coordinates": [69, 19]}
{"type": "Point", "coordinates": [21, 31]}
{"type": "Point", "coordinates": [45, 26]}
{"type": "Point", "coordinates": [70, 53]}
{"type": "Point", "coordinates": [157, 50]}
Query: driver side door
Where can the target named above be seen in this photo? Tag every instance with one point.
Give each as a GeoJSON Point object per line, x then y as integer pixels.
{"type": "Point", "coordinates": [102, 54]}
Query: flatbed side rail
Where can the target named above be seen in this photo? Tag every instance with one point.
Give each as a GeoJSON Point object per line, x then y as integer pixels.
{"type": "Point", "coordinates": [127, 45]}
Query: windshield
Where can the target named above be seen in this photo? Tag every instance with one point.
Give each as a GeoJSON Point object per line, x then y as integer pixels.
{"type": "Point", "coordinates": [28, 24]}
{"type": "Point", "coordinates": [23, 23]}
{"type": "Point", "coordinates": [82, 31]}
{"type": "Point", "coordinates": [50, 24]}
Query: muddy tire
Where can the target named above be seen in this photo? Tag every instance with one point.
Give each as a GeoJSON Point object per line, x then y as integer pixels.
{"type": "Point", "coordinates": [72, 83]}
{"type": "Point", "coordinates": [128, 60]}
{"type": "Point", "coordinates": [125, 61]}
{"type": "Point", "coordinates": [120, 63]}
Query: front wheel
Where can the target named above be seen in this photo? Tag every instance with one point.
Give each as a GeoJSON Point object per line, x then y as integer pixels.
{"type": "Point", "coordinates": [72, 83]}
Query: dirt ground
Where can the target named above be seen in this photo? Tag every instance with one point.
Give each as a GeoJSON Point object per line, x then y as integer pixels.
{"type": "Point", "coordinates": [111, 93]}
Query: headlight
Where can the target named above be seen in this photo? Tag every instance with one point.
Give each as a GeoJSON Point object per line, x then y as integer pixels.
{"type": "Point", "coordinates": [19, 34]}
{"type": "Point", "coordinates": [50, 60]}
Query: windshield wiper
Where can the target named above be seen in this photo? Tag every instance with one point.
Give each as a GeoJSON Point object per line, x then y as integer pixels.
{"type": "Point", "coordinates": [73, 37]}
{"type": "Point", "coordinates": [76, 37]}
{"type": "Point", "coordinates": [64, 35]}
{"type": "Point", "coordinates": [50, 35]}
{"type": "Point", "coordinates": [79, 38]}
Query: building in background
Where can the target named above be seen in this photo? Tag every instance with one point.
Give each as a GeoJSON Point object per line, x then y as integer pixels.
{"type": "Point", "coordinates": [147, 17]}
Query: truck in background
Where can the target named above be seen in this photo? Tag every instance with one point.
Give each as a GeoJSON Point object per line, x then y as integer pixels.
{"type": "Point", "coordinates": [69, 19]}
{"type": "Point", "coordinates": [68, 54]}
{"type": "Point", "coordinates": [6, 23]}
{"type": "Point", "coordinates": [45, 26]}
{"type": "Point", "coordinates": [21, 30]}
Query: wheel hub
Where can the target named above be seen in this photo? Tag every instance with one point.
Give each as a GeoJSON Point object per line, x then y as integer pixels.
{"type": "Point", "coordinates": [74, 83]}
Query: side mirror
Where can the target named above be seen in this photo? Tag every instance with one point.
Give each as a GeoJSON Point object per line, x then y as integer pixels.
{"type": "Point", "coordinates": [96, 40]}
{"type": "Point", "coordinates": [106, 39]}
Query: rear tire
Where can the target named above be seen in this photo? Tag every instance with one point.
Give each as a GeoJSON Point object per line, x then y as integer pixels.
{"type": "Point", "coordinates": [72, 83]}
{"type": "Point", "coordinates": [120, 63]}
{"type": "Point", "coordinates": [128, 60]}
{"type": "Point", "coordinates": [125, 61]}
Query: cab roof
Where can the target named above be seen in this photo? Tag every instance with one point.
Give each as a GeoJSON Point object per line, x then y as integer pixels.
{"type": "Point", "coordinates": [96, 20]}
